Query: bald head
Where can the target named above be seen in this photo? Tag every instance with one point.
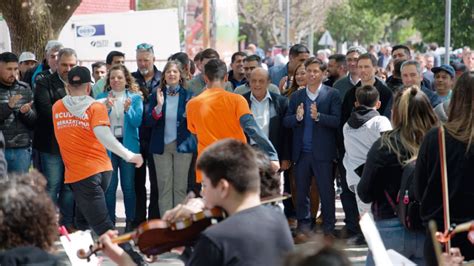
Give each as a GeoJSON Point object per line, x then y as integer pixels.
{"type": "Point", "coordinates": [259, 81]}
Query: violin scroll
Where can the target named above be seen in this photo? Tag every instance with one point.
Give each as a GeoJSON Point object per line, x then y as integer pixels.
{"type": "Point", "coordinates": [86, 255]}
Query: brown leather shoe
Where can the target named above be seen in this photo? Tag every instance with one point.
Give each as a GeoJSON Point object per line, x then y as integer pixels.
{"type": "Point", "coordinates": [329, 238]}
{"type": "Point", "coordinates": [300, 238]}
{"type": "Point", "coordinates": [293, 223]}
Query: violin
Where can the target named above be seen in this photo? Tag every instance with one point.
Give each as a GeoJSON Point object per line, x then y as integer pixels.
{"type": "Point", "coordinates": [156, 236]}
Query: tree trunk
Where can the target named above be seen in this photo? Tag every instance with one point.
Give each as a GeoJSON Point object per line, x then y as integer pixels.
{"type": "Point", "coordinates": [33, 22]}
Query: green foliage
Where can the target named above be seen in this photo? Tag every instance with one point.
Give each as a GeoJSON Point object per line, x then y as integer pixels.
{"type": "Point", "coordinates": [429, 17]}
{"type": "Point", "coordinates": [348, 23]}
{"type": "Point", "coordinates": [157, 4]}
{"type": "Point", "coordinates": [401, 30]}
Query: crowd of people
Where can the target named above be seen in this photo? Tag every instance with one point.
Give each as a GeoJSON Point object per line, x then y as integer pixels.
{"type": "Point", "coordinates": [362, 120]}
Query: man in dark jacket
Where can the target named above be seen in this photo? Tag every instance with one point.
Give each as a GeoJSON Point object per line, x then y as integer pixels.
{"type": "Point", "coordinates": [148, 78]}
{"type": "Point", "coordinates": [17, 117]}
{"type": "Point", "coordinates": [52, 59]}
{"type": "Point", "coordinates": [337, 69]}
{"type": "Point", "coordinates": [237, 74]}
{"type": "Point", "coordinates": [31, 75]}
{"type": "Point", "coordinates": [366, 65]}
{"type": "Point", "coordinates": [269, 110]}
{"type": "Point", "coordinates": [49, 90]}
{"type": "Point", "coordinates": [314, 115]}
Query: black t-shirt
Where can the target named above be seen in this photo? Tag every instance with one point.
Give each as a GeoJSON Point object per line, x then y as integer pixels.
{"type": "Point", "coordinates": [256, 236]}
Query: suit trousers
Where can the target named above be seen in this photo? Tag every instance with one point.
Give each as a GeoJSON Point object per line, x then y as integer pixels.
{"type": "Point", "coordinates": [306, 168]}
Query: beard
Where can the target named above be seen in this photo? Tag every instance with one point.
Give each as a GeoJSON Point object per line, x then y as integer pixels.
{"type": "Point", "coordinates": [144, 71]}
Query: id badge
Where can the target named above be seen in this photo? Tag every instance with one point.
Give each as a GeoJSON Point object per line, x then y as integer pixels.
{"type": "Point", "coordinates": [118, 131]}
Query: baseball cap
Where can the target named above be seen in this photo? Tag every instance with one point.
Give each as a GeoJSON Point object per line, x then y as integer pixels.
{"type": "Point", "coordinates": [79, 75]}
{"type": "Point", "coordinates": [459, 67]}
{"type": "Point", "coordinates": [27, 56]}
{"type": "Point", "coordinates": [447, 68]}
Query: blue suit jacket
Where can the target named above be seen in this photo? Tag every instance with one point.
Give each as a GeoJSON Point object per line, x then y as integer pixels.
{"type": "Point", "coordinates": [132, 121]}
{"type": "Point", "coordinates": [324, 131]}
{"type": "Point", "coordinates": [185, 141]}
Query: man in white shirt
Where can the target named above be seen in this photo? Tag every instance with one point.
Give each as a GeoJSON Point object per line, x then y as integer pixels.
{"type": "Point", "coordinates": [269, 109]}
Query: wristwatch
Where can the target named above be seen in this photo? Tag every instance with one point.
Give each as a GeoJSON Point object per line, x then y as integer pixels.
{"type": "Point", "coordinates": [317, 117]}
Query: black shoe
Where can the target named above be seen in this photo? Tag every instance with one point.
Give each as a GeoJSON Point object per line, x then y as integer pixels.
{"type": "Point", "coordinates": [344, 233]}
{"type": "Point", "coordinates": [129, 226]}
{"type": "Point", "coordinates": [357, 240]}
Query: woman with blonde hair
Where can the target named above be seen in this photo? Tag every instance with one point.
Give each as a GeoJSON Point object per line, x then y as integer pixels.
{"type": "Point", "coordinates": [125, 106]}
{"type": "Point", "coordinates": [459, 139]}
{"type": "Point", "coordinates": [412, 117]}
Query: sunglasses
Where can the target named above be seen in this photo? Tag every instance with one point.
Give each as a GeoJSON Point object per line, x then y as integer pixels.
{"type": "Point", "coordinates": [145, 47]}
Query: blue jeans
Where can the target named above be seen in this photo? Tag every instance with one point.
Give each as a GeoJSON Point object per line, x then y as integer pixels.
{"type": "Point", "coordinates": [127, 183]}
{"type": "Point", "coordinates": [394, 236]}
{"type": "Point", "coordinates": [18, 160]}
{"type": "Point", "coordinates": [53, 169]}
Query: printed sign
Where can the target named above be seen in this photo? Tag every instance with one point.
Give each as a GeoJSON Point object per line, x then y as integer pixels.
{"type": "Point", "coordinates": [90, 30]}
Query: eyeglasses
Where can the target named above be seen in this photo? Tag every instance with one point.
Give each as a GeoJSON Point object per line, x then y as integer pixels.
{"type": "Point", "coordinates": [145, 47]}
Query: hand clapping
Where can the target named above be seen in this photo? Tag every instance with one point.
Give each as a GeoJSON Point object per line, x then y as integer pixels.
{"type": "Point", "coordinates": [314, 111]}
{"type": "Point", "coordinates": [300, 112]}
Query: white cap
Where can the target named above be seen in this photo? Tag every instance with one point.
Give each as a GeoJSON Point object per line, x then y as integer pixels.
{"type": "Point", "coordinates": [51, 44]}
{"type": "Point", "coordinates": [27, 56]}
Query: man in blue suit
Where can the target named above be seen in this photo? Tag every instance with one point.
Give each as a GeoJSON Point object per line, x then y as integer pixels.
{"type": "Point", "coordinates": [314, 115]}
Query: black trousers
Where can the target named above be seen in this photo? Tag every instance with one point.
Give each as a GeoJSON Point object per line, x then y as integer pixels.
{"type": "Point", "coordinates": [141, 193]}
{"type": "Point", "coordinates": [91, 209]}
{"type": "Point", "coordinates": [348, 199]}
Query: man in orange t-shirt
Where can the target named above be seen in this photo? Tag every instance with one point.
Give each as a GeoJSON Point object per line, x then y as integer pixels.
{"type": "Point", "coordinates": [218, 114]}
{"type": "Point", "coordinates": [81, 126]}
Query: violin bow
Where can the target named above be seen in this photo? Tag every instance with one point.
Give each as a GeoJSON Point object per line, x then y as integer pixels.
{"type": "Point", "coordinates": [276, 198]}
{"type": "Point", "coordinates": [444, 183]}
{"type": "Point", "coordinates": [454, 229]}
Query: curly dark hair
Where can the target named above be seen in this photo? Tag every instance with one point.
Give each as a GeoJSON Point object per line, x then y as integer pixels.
{"type": "Point", "coordinates": [269, 179]}
{"type": "Point", "coordinates": [27, 213]}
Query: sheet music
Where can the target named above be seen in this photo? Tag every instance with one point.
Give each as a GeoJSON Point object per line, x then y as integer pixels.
{"type": "Point", "coordinates": [79, 240]}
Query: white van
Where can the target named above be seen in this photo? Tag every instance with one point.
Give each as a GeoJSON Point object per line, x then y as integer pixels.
{"type": "Point", "coordinates": [94, 36]}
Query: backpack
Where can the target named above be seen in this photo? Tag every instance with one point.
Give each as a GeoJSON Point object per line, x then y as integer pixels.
{"type": "Point", "coordinates": [406, 207]}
